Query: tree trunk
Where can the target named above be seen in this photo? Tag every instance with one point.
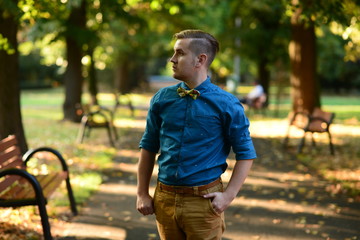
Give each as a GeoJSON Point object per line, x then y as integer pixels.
{"type": "Point", "coordinates": [73, 78]}
{"type": "Point", "coordinates": [10, 111]}
{"type": "Point", "coordinates": [122, 74]}
{"type": "Point", "coordinates": [302, 50]}
{"type": "Point", "coordinates": [92, 79]}
{"type": "Point", "coordinates": [129, 73]}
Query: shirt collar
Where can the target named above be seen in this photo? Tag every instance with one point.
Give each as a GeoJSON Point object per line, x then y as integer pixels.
{"type": "Point", "coordinates": [202, 87]}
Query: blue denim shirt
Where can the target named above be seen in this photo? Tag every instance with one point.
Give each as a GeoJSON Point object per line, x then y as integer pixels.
{"type": "Point", "coordinates": [195, 136]}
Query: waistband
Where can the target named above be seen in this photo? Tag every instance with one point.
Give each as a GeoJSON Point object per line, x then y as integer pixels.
{"type": "Point", "coordinates": [187, 189]}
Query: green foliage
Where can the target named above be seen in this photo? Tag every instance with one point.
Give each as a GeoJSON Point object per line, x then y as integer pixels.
{"type": "Point", "coordinates": [264, 32]}
{"type": "Point", "coordinates": [334, 72]}
{"type": "Point", "coordinates": [139, 32]}
{"type": "Point", "coordinates": [6, 46]}
{"type": "Point", "coordinates": [9, 7]}
{"type": "Point", "coordinates": [320, 11]}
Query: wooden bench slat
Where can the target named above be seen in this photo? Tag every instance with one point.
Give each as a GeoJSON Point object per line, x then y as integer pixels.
{"type": "Point", "coordinates": [317, 126]}
{"type": "Point", "coordinates": [46, 182]}
{"type": "Point", "coordinates": [17, 189]}
{"type": "Point", "coordinates": [49, 187]}
{"type": "Point", "coordinates": [17, 163]}
{"type": "Point", "coordinates": [22, 189]}
{"type": "Point", "coordinates": [6, 182]}
{"type": "Point", "coordinates": [12, 155]}
{"type": "Point", "coordinates": [7, 142]}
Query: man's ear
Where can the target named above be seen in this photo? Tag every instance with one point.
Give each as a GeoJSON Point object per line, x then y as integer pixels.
{"type": "Point", "coordinates": [201, 60]}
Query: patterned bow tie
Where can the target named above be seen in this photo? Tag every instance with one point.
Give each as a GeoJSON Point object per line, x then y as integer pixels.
{"type": "Point", "coordinates": [192, 92]}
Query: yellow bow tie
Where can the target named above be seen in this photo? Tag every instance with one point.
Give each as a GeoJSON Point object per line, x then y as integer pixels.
{"type": "Point", "coordinates": [192, 92]}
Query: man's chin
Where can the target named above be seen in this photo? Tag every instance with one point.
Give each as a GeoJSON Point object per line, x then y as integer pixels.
{"type": "Point", "coordinates": [177, 77]}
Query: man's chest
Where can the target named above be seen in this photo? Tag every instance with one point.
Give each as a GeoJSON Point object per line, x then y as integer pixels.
{"type": "Point", "coordinates": [200, 117]}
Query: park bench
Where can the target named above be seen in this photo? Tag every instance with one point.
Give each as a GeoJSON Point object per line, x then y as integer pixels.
{"type": "Point", "coordinates": [119, 104]}
{"type": "Point", "coordinates": [318, 121]}
{"type": "Point", "coordinates": [19, 187]}
{"type": "Point", "coordinates": [97, 117]}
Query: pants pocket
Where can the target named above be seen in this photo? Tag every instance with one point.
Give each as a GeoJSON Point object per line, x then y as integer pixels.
{"type": "Point", "coordinates": [211, 208]}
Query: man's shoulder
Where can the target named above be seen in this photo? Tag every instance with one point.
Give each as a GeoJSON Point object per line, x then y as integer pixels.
{"type": "Point", "coordinates": [222, 94]}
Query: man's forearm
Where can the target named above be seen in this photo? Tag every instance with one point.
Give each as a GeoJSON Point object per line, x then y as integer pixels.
{"type": "Point", "coordinates": [239, 174]}
{"type": "Point", "coordinates": [145, 169]}
{"type": "Point", "coordinates": [222, 200]}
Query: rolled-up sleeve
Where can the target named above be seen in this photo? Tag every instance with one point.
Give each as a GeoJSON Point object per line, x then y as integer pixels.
{"type": "Point", "coordinates": [151, 140]}
{"type": "Point", "coordinates": [237, 132]}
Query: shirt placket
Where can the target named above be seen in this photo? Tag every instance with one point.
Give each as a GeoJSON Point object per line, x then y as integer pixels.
{"type": "Point", "coordinates": [187, 125]}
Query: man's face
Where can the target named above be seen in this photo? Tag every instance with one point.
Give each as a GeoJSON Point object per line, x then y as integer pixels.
{"type": "Point", "coordinates": [183, 60]}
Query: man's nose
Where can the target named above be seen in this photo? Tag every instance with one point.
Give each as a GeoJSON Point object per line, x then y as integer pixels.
{"type": "Point", "coordinates": [172, 59]}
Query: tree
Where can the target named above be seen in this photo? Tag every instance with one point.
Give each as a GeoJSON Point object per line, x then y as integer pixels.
{"type": "Point", "coordinates": [133, 41]}
{"type": "Point", "coordinates": [302, 52]}
{"type": "Point", "coordinates": [10, 113]}
{"type": "Point", "coordinates": [302, 48]}
{"type": "Point", "coordinates": [73, 78]}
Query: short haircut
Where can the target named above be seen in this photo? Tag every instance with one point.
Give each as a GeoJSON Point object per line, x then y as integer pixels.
{"type": "Point", "coordinates": [201, 42]}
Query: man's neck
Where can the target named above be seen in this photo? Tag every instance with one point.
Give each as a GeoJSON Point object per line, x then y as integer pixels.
{"type": "Point", "coordinates": [197, 81]}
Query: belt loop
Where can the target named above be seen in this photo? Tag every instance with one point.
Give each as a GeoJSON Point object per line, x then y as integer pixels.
{"type": "Point", "coordinates": [196, 191]}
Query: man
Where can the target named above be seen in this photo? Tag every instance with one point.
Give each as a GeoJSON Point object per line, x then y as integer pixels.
{"type": "Point", "coordinates": [256, 97]}
{"type": "Point", "coordinates": [193, 125]}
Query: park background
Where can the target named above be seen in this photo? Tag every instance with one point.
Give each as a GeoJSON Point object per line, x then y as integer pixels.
{"type": "Point", "coordinates": [58, 56]}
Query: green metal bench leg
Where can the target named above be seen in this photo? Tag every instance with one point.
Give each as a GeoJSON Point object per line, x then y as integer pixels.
{"type": "Point", "coordinates": [331, 144]}
{"type": "Point", "coordinates": [110, 136]}
{"type": "Point", "coordinates": [71, 197]}
{"type": "Point", "coordinates": [115, 132]}
{"type": "Point", "coordinates": [44, 219]}
{"type": "Point", "coordinates": [301, 145]}
{"type": "Point", "coordinates": [313, 140]}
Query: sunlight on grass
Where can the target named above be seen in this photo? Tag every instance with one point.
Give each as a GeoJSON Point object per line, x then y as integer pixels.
{"type": "Point", "coordinates": [109, 98]}
{"type": "Point", "coordinates": [40, 97]}
{"type": "Point", "coordinates": [48, 113]}
{"type": "Point", "coordinates": [130, 123]}
{"type": "Point", "coordinates": [92, 157]}
{"type": "Point", "coordinates": [49, 132]}
{"type": "Point", "coordinates": [85, 184]}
